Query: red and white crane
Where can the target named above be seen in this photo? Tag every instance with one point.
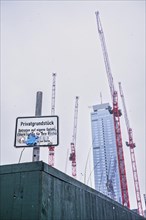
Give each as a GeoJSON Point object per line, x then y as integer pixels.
{"type": "Point", "coordinates": [52, 148]}
{"type": "Point", "coordinates": [116, 116]}
{"type": "Point", "coordinates": [72, 156]}
{"type": "Point", "coordinates": [131, 146]}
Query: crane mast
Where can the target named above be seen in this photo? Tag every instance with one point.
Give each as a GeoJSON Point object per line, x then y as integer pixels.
{"type": "Point", "coordinates": [52, 148]}
{"type": "Point", "coordinates": [131, 145]}
{"type": "Point", "coordinates": [145, 204]}
{"type": "Point", "coordinates": [72, 157]}
{"type": "Point", "coordinates": [110, 179]}
{"type": "Point", "coordinates": [144, 195]}
{"type": "Point", "coordinates": [116, 116]}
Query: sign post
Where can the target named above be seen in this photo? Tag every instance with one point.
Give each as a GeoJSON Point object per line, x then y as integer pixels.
{"type": "Point", "coordinates": [38, 112]}
{"type": "Point", "coordinates": [37, 131]}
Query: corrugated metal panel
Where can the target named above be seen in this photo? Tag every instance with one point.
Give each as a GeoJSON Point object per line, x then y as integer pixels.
{"type": "Point", "coordinates": [35, 191]}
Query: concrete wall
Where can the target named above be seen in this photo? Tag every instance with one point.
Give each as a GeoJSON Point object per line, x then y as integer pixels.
{"type": "Point", "coordinates": [35, 191]}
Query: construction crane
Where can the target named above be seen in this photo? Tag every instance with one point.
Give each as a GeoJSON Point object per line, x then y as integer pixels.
{"type": "Point", "coordinates": [131, 146]}
{"type": "Point", "coordinates": [116, 116]}
{"type": "Point", "coordinates": [72, 156]}
{"type": "Point", "coordinates": [110, 178]}
{"type": "Point", "coordinates": [144, 195]}
{"type": "Point", "coordinates": [145, 205]}
{"type": "Point", "coordinates": [52, 148]}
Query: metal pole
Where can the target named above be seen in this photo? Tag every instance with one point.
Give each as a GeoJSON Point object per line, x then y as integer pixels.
{"type": "Point", "coordinates": [38, 112]}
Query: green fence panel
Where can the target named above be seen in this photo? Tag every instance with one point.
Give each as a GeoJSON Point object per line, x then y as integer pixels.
{"type": "Point", "coordinates": [36, 191]}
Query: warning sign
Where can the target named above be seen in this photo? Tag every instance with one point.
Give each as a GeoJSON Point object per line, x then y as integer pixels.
{"type": "Point", "coordinates": [36, 131]}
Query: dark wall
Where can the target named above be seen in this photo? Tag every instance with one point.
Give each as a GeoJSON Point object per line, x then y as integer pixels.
{"type": "Point", "coordinates": [35, 191]}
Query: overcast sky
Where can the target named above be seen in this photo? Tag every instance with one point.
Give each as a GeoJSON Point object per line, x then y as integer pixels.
{"type": "Point", "coordinates": [41, 37]}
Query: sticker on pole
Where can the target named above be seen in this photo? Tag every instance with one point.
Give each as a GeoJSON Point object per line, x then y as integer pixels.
{"type": "Point", "coordinates": [36, 131]}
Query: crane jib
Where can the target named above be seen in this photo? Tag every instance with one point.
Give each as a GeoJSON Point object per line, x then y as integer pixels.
{"type": "Point", "coordinates": [116, 117]}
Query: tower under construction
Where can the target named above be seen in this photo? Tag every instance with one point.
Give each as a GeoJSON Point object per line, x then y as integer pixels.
{"type": "Point", "coordinates": [106, 172]}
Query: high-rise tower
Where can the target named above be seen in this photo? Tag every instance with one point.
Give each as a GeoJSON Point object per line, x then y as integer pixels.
{"type": "Point", "coordinates": [106, 171]}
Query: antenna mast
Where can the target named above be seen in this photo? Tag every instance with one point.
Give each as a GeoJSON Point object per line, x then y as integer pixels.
{"type": "Point", "coordinates": [101, 97]}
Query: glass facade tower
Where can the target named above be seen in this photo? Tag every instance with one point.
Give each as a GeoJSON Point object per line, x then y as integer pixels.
{"type": "Point", "coordinates": [106, 172]}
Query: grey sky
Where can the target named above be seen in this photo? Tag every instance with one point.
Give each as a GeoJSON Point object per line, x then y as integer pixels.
{"type": "Point", "coordinates": [41, 37]}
